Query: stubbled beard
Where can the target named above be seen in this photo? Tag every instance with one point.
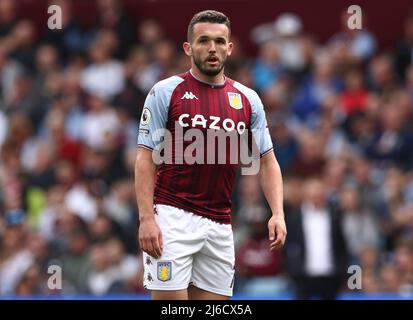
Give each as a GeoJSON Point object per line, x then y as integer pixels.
{"type": "Point", "coordinates": [212, 71]}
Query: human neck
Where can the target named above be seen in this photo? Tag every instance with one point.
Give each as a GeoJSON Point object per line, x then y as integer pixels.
{"type": "Point", "coordinates": [218, 79]}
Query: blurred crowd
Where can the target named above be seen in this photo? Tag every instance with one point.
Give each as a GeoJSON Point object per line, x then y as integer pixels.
{"type": "Point", "coordinates": [340, 114]}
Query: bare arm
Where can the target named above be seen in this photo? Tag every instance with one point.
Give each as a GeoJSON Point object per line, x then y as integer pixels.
{"type": "Point", "coordinates": [272, 186]}
{"type": "Point", "coordinates": [150, 236]}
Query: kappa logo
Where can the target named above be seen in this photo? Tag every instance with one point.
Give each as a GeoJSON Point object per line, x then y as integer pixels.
{"type": "Point", "coordinates": [235, 100]}
{"type": "Point", "coordinates": [189, 95]}
{"type": "Point", "coordinates": [164, 270]}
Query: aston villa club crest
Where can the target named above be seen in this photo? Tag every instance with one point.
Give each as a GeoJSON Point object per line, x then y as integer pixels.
{"type": "Point", "coordinates": [164, 271]}
{"type": "Point", "coordinates": [235, 100]}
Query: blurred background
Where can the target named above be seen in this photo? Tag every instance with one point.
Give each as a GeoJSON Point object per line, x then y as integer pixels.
{"type": "Point", "coordinates": [339, 105]}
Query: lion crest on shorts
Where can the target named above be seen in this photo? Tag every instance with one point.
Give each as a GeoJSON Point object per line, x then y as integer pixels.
{"type": "Point", "coordinates": [164, 270]}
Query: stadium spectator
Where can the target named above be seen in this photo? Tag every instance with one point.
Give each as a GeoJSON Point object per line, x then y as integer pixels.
{"type": "Point", "coordinates": [104, 77]}
{"type": "Point", "coordinates": [112, 15]}
{"type": "Point", "coordinates": [359, 44]}
{"type": "Point", "coordinates": [391, 140]}
{"type": "Point", "coordinates": [354, 97]}
{"type": "Point", "coordinates": [286, 31]}
{"type": "Point", "coordinates": [72, 39]}
{"type": "Point", "coordinates": [267, 68]}
{"type": "Point", "coordinates": [310, 161]}
{"type": "Point", "coordinates": [403, 49]}
{"type": "Point", "coordinates": [284, 141]}
{"type": "Point", "coordinates": [75, 257]}
{"type": "Point", "coordinates": [8, 17]}
{"type": "Point", "coordinates": [316, 88]}
{"type": "Point", "coordinates": [316, 252]}
{"type": "Point", "coordinates": [359, 227]}
{"type": "Point", "coordinates": [15, 256]}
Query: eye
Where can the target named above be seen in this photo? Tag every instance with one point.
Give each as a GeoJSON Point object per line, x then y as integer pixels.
{"type": "Point", "coordinates": [203, 40]}
{"type": "Point", "coordinates": [221, 41]}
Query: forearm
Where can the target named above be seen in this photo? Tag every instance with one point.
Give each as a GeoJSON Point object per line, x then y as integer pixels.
{"type": "Point", "coordinates": [144, 183]}
{"type": "Point", "coordinates": [272, 184]}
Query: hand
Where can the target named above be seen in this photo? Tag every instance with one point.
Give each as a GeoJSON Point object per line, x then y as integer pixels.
{"type": "Point", "coordinates": [150, 238]}
{"type": "Point", "coordinates": [276, 226]}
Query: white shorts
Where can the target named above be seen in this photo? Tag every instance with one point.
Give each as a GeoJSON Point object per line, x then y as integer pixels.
{"type": "Point", "coordinates": [196, 251]}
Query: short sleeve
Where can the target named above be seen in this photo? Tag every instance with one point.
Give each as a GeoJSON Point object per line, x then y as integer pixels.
{"type": "Point", "coordinates": [155, 112]}
{"type": "Point", "coordinates": [259, 126]}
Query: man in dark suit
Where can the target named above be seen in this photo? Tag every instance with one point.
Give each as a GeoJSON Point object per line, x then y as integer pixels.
{"type": "Point", "coordinates": [315, 250]}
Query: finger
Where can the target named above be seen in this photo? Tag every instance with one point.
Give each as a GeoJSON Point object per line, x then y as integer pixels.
{"type": "Point", "coordinates": [149, 249]}
{"type": "Point", "coordinates": [145, 247]}
{"type": "Point", "coordinates": [271, 232]}
{"type": "Point", "coordinates": [281, 233]}
{"type": "Point", "coordinates": [278, 239]}
{"type": "Point", "coordinates": [160, 239]}
{"type": "Point", "coordinates": [141, 244]}
{"type": "Point", "coordinates": [277, 247]}
{"type": "Point", "coordinates": [277, 244]}
{"type": "Point", "coordinates": [156, 247]}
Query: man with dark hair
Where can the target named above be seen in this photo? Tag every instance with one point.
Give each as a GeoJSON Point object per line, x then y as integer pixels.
{"type": "Point", "coordinates": [316, 254]}
{"type": "Point", "coordinates": [184, 203]}
{"type": "Point", "coordinates": [209, 16]}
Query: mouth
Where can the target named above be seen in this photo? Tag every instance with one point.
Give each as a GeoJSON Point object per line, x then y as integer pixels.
{"type": "Point", "coordinates": [212, 60]}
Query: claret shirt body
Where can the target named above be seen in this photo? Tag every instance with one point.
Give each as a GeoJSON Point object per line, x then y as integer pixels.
{"type": "Point", "coordinates": [182, 103]}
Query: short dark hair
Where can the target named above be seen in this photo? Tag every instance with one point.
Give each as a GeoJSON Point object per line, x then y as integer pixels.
{"type": "Point", "coordinates": [210, 16]}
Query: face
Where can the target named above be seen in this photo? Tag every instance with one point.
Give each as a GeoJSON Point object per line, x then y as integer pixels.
{"type": "Point", "coordinates": [350, 199]}
{"type": "Point", "coordinates": [209, 47]}
{"type": "Point", "coordinates": [315, 193]}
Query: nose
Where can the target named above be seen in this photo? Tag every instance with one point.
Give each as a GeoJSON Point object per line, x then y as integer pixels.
{"type": "Point", "coordinates": [212, 48]}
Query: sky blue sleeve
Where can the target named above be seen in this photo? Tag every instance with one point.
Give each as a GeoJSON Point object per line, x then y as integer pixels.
{"type": "Point", "coordinates": [259, 125]}
{"type": "Point", "coordinates": [155, 112]}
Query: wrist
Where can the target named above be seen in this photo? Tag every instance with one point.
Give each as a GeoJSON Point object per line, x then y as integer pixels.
{"type": "Point", "coordinates": [279, 214]}
{"type": "Point", "coordinates": [147, 217]}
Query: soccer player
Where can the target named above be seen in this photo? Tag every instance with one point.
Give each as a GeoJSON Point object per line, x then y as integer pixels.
{"type": "Point", "coordinates": [184, 208]}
